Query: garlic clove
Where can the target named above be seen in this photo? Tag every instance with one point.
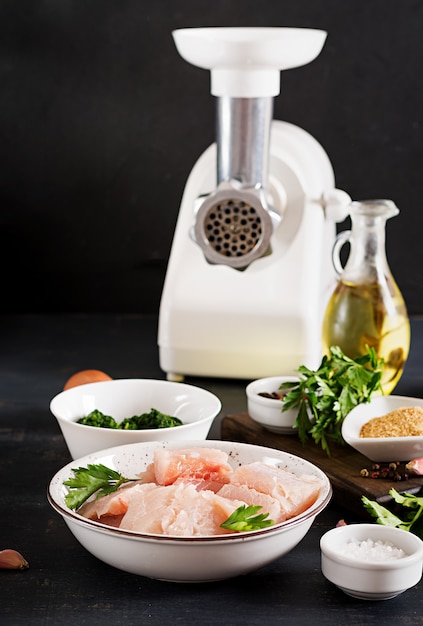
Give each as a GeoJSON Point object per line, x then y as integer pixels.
{"type": "Point", "coordinates": [415, 466]}
{"type": "Point", "coordinates": [12, 559]}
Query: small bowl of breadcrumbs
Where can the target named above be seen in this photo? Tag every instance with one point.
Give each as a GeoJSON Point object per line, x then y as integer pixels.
{"type": "Point", "coordinates": [388, 428]}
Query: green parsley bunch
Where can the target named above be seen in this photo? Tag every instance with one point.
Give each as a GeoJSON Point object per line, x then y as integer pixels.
{"type": "Point", "coordinates": [325, 396]}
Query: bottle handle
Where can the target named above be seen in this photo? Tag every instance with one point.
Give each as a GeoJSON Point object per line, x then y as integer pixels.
{"type": "Point", "coordinates": [340, 241]}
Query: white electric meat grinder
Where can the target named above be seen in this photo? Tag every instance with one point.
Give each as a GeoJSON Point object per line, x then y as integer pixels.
{"type": "Point", "coordinates": [250, 267]}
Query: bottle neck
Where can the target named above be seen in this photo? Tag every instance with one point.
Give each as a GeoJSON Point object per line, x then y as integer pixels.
{"type": "Point", "coordinates": [367, 260]}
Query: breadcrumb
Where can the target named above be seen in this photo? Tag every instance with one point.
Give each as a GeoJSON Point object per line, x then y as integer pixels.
{"type": "Point", "coordinates": [402, 422]}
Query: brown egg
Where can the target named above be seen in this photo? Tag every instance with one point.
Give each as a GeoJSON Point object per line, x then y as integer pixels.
{"type": "Point", "coordinates": [84, 377]}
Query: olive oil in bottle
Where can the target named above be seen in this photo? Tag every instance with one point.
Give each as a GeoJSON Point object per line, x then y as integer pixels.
{"type": "Point", "coordinates": [357, 317]}
{"type": "Point", "coordinates": [366, 307]}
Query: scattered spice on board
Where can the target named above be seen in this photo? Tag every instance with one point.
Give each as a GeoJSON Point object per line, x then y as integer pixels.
{"type": "Point", "coordinates": [395, 471]}
{"type": "Point", "coordinates": [402, 422]}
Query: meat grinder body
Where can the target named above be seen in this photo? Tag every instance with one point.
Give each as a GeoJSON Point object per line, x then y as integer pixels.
{"type": "Point", "coordinates": [217, 321]}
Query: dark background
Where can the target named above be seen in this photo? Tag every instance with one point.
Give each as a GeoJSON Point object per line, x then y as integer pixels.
{"type": "Point", "coordinates": [101, 121]}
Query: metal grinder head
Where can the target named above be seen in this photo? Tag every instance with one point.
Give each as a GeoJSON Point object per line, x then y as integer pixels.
{"type": "Point", "coordinates": [233, 227]}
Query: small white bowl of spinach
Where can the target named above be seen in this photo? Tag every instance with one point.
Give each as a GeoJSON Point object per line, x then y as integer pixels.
{"type": "Point", "coordinates": [101, 415]}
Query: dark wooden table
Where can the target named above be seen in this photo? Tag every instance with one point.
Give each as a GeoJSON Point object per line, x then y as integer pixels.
{"type": "Point", "coordinates": [66, 585]}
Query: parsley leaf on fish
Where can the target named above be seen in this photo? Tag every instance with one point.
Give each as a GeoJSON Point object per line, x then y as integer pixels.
{"type": "Point", "coordinates": [325, 396]}
{"type": "Point", "coordinates": [89, 480]}
{"type": "Point", "coordinates": [244, 518]}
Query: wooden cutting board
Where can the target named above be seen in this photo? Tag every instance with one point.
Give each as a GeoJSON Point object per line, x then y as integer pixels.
{"type": "Point", "coordinates": [342, 467]}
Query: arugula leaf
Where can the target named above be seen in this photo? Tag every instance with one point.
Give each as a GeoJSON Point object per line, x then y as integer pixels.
{"type": "Point", "coordinates": [413, 510]}
{"type": "Point", "coordinates": [244, 518]}
{"type": "Point", "coordinates": [383, 516]}
{"type": "Point", "coordinates": [89, 480]}
{"type": "Point", "coordinates": [412, 515]}
{"type": "Point", "coordinates": [325, 396]}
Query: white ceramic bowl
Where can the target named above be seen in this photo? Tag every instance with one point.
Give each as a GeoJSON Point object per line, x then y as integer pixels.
{"type": "Point", "coordinates": [268, 411]}
{"type": "Point", "coordinates": [371, 579]}
{"type": "Point", "coordinates": [122, 398]}
{"type": "Point", "coordinates": [187, 559]}
{"type": "Point", "coordinates": [381, 448]}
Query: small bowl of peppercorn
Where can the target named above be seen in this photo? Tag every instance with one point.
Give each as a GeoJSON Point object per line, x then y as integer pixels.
{"type": "Point", "coordinates": [264, 404]}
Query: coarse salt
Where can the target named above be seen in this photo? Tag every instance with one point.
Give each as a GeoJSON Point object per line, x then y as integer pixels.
{"type": "Point", "coordinates": [369, 550]}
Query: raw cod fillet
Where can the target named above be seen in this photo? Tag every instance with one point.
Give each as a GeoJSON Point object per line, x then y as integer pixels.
{"type": "Point", "coordinates": [178, 510]}
{"type": "Point", "coordinates": [206, 464]}
{"type": "Point", "coordinates": [294, 493]}
{"type": "Point", "coordinates": [255, 498]}
{"type": "Point", "coordinates": [115, 503]}
{"type": "Point", "coordinates": [193, 491]}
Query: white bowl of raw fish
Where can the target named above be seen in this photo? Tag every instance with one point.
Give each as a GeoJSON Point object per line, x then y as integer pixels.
{"type": "Point", "coordinates": [123, 398]}
{"type": "Point", "coordinates": [404, 448]}
{"type": "Point", "coordinates": [267, 411]}
{"type": "Point", "coordinates": [370, 561]}
{"type": "Point", "coordinates": [166, 525]}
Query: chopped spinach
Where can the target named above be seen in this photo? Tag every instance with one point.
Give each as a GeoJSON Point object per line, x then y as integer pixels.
{"type": "Point", "coordinates": [146, 421]}
{"type": "Point", "coordinates": [98, 419]}
{"type": "Point", "coordinates": [153, 419]}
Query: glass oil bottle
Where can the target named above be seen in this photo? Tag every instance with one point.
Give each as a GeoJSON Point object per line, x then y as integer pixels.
{"type": "Point", "coordinates": [367, 307]}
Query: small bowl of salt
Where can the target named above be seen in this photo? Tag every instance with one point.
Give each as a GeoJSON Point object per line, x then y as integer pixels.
{"type": "Point", "coordinates": [370, 561]}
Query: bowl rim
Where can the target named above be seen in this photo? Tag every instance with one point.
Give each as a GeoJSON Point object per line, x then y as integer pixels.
{"type": "Point", "coordinates": [253, 393]}
{"type": "Point", "coordinates": [330, 552]}
{"type": "Point", "coordinates": [354, 420]}
{"type": "Point", "coordinates": [71, 516]}
{"type": "Point", "coordinates": [133, 382]}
